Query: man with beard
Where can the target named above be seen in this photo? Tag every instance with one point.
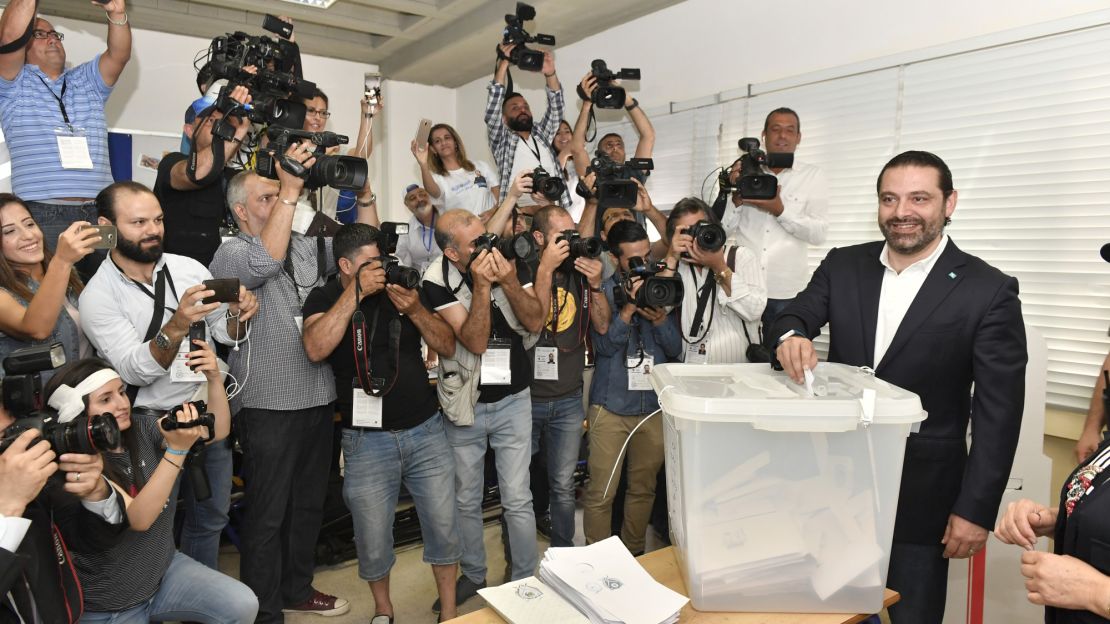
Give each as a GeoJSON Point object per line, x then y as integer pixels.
{"type": "Point", "coordinates": [136, 310]}
{"type": "Point", "coordinates": [516, 142]}
{"type": "Point", "coordinates": [779, 230]}
{"type": "Point", "coordinates": [933, 320]}
{"type": "Point", "coordinates": [418, 248]}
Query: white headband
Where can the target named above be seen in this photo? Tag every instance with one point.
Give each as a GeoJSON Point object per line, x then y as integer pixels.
{"type": "Point", "coordinates": [70, 402]}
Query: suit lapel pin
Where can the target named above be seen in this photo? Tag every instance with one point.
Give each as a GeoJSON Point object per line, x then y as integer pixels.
{"type": "Point", "coordinates": [952, 275]}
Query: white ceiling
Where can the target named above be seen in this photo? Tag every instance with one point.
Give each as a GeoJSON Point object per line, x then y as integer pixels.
{"type": "Point", "coordinates": [444, 42]}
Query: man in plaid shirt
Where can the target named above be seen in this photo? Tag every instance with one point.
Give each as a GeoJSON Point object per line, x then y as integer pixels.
{"type": "Point", "coordinates": [516, 142]}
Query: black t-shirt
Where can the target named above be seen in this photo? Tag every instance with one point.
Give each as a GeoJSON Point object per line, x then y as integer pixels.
{"type": "Point", "coordinates": [412, 399]}
{"type": "Point", "coordinates": [520, 363]}
{"type": "Point", "coordinates": [566, 334]}
{"type": "Point", "coordinates": [192, 218]}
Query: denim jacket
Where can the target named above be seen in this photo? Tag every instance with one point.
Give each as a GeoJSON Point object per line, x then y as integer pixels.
{"type": "Point", "coordinates": [610, 382]}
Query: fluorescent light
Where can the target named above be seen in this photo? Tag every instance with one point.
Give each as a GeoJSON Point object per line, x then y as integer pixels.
{"type": "Point", "coordinates": [319, 4]}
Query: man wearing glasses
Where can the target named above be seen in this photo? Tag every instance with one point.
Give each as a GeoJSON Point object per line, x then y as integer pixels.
{"type": "Point", "coordinates": [342, 206]}
{"type": "Point", "coordinates": [53, 119]}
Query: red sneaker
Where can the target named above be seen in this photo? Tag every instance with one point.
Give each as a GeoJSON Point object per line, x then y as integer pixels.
{"type": "Point", "coordinates": [320, 603]}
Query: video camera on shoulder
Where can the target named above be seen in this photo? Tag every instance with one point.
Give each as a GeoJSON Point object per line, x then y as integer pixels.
{"type": "Point", "coordinates": [518, 247]}
{"type": "Point", "coordinates": [341, 172]}
{"type": "Point", "coordinates": [753, 183]}
{"type": "Point", "coordinates": [276, 93]}
{"type": "Point", "coordinates": [615, 188]}
{"type": "Point", "coordinates": [522, 56]}
{"type": "Point", "coordinates": [607, 94]}
{"type": "Point", "coordinates": [656, 291]}
{"type": "Point", "coordinates": [22, 397]}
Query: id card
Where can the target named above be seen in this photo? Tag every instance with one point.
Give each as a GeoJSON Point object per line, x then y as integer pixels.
{"type": "Point", "coordinates": [73, 147]}
{"type": "Point", "coordinates": [639, 372]}
{"type": "Point", "coordinates": [180, 371]}
{"type": "Point", "coordinates": [366, 409]}
{"type": "Point", "coordinates": [495, 363]}
{"type": "Point", "coordinates": [697, 353]}
{"type": "Point", "coordinates": [547, 364]}
{"type": "Point", "coordinates": [480, 181]}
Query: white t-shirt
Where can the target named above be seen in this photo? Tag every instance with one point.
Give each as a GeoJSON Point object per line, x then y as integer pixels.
{"type": "Point", "coordinates": [525, 159]}
{"type": "Point", "coordinates": [469, 190]}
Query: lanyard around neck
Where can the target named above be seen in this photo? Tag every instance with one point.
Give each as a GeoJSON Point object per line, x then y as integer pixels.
{"type": "Point", "coordinates": [61, 104]}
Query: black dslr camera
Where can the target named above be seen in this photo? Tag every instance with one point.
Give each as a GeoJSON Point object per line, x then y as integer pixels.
{"type": "Point", "coordinates": [272, 86]}
{"type": "Point", "coordinates": [707, 236]}
{"type": "Point", "coordinates": [551, 187]}
{"type": "Point", "coordinates": [607, 94]}
{"type": "Point", "coordinates": [753, 183]}
{"type": "Point", "coordinates": [395, 272]}
{"type": "Point", "coordinates": [341, 172]}
{"type": "Point", "coordinates": [580, 247]}
{"type": "Point", "coordinates": [519, 247]}
{"type": "Point", "coordinates": [22, 394]}
{"type": "Point", "coordinates": [522, 56]}
{"type": "Point", "coordinates": [614, 185]}
{"type": "Point", "coordinates": [655, 292]}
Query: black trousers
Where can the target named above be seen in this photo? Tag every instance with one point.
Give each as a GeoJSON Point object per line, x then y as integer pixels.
{"type": "Point", "coordinates": [286, 457]}
{"type": "Point", "coordinates": [920, 573]}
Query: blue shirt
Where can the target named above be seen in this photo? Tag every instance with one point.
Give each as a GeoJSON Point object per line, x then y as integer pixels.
{"type": "Point", "coordinates": [29, 114]}
{"type": "Point", "coordinates": [609, 387]}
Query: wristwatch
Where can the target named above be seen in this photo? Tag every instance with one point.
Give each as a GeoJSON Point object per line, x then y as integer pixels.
{"type": "Point", "coordinates": [162, 340]}
{"type": "Point", "coordinates": [366, 204]}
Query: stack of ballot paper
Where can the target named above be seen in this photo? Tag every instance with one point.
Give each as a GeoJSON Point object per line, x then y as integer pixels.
{"type": "Point", "coordinates": [605, 583]}
{"type": "Point", "coordinates": [528, 600]}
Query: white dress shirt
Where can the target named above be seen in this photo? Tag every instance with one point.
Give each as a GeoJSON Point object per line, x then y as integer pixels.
{"type": "Point", "coordinates": [115, 314]}
{"type": "Point", "coordinates": [898, 292]}
{"type": "Point", "coordinates": [725, 340]}
{"type": "Point", "coordinates": [781, 243]}
{"type": "Point", "coordinates": [418, 248]}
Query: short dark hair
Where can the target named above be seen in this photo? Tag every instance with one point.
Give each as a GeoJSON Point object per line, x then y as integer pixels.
{"type": "Point", "coordinates": [917, 158]}
{"type": "Point", "coordinates": [352, 237]}
{"type": "Point", "coordinates": [625, 232]}
{"type": "Point", "coordinates": [106, 198]}
{"type": "Point", "coordinates": [685, 206]}
{"type": "Point", "coordinates": [508, 96]}
{"type": "Point", "coordinates": [542, 217]}
{"type": "Point", "coordinates": [610, 134]}
{"type": "Point", "coordinates": [317, 93]}
{"type": "Point", "coordinates": [782, 110]}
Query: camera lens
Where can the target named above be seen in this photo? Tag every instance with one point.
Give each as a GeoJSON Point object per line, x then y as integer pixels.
{"type": "Point", "coordinates": [104, 432]}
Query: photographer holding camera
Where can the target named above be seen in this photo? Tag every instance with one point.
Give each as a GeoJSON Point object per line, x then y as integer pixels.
{"type": "Point", "coordinates": [568, 286]}
{"type": "Point", "coordinates": [285, 413]}
{"type": "Point", "coordinates": [143, 577]}
{"type": "Point", "coordinates": [342, 206]}
{"type": "Point", "coordinates": [612, 144]}
{"type": "Point", "coordinates": [725, 285]}
{"type": "Point", "coordinates": [639, 336]}
{"type": "Point", "coordinates": [517, 143]}
{"type": "Point", "coordinates": [39, 509]}
{"type": "Point", "coordinates": [494, 315]}
{"type": "Point", "coordinates": [190, 186]}
{"type": "Point", "coordinates": [137, 311]}
{"type": "Point", "coordinates": [53, 119]}
{"type": "Point", "coordinates": [779, 230]}
{"type": "Point", "coordinates": [393, 430]}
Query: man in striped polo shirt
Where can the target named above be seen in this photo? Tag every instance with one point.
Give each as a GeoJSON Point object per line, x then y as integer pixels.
{"type": "Point", "coordinates": [53, 118]}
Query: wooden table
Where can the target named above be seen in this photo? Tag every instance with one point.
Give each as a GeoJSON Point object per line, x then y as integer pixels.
{"type": "Point", "coordinates": [663, 567]}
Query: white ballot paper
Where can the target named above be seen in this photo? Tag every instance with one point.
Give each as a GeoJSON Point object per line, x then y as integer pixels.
{"type": "Point", "coordinates": [529, 600]}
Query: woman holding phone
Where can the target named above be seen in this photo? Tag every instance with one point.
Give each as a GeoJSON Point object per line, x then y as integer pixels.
{"type": "Point", "coordinates": [452, 179]}
{"type": "Point", "coordinates": [38, 288]}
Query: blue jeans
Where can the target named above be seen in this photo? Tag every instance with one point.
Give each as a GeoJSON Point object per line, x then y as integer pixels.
{"type": "Point", "coordinates": [189, 592]}
{"type": "Point", "coordinates": [507, 427]}
{"type": "Point", "coordinates": [205, 520]}
{"type": "Point", "coordinates": [920, 573]}
{"type": "Point", "coordinates": [559, 421]}
{"type": "Point", "coordinates": [376, 463]}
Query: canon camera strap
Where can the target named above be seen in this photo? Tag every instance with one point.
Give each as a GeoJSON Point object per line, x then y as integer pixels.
{"type": "Point", "coordinates": [361, 341]}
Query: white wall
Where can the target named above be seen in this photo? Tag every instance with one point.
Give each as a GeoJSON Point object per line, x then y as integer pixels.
{"type": "Point", "coordinates": [406, 103]}
{"type": "Point", "coordinates": [702, 47]}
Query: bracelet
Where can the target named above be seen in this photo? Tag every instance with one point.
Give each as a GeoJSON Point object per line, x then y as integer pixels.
{"type": "Point", "coordinates": [635, 103]}
{"type": "Point", "coordinates": [173, 451]}
{"type": "Point", "coordinates": [596, 290]}
{"type": "Point", "coordinates": [370, 202]}
{"type": "Point", "coordinates": [723, 276]}
{"type": "Point", "coordinates": [167, 460]}
{"type": "Point", "coordinates": [109, 18]}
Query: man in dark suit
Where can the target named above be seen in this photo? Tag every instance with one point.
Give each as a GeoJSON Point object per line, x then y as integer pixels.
{"type": "Point", "coordinates": [931, 319]}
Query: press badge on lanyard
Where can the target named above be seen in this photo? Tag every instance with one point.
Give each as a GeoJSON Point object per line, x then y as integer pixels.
{"type": "Point", "coordinates": [697, 353]}
{"type": "Point", "coordinates": [547, 364]}
{"type": "Point", "coordinates": [180, 371]}
{"type": "Point", "coordinates": [639, 372]}
{"type": "Point", "coordinates": [495, 363]}
{"type": "Point", "coordinates": [366, 409]}
{"type": "Point", "coordinates": [73, 144]}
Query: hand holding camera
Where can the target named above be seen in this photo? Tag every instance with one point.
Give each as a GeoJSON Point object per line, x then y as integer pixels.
{"type": "Point", "coordinates": [371, 278]}
{"type": "Point", "coordinates": [406, 300]}
{"type": "Point", "coordinates": [591, 268]}
{"type": "Point", "coordinates": [83, 476]}
{"type": "Point", "coordinates": [182, 429]}
{"type": "Point", "coordinates": [555, 254]}
{"type": "Point", "coordinates": [76, 242]}
{"type": "Point", "coordinates": [294, 167]}
{"type": "Point", "coordinates": [501, 269]}
{"type": "Point", "coordinates": [521, 186]}
{"type": "Point", "coordinates": [24, 468]}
